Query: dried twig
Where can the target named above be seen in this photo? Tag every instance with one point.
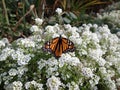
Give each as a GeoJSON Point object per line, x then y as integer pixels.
{"type": "Point", "coordinates": [20, 20]}
{"type": "Point", "coordinates": [5, 10]}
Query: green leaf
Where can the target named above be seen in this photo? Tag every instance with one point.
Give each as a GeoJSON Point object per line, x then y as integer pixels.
{"type": "Point", "coordinates": [66, 20]}
{"type": "Point", "coordinates": [73, 15]}
{"type": "Point", "coordinates": [17, 33]}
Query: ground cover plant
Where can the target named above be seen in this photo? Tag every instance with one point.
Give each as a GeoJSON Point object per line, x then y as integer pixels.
{"type": "Point", "coordinates": [94, 64]}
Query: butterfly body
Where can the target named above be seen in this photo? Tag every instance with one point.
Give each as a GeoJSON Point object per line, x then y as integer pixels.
{"type": "Point", "coordinates": [59, 45]}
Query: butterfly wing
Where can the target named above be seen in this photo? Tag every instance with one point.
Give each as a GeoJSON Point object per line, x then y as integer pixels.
{"type": "Point", "coordinates": [68, 45]}
{"type": "Point", "coordinates": [59, 45]}
{"type": "Point", "coordinates": [50, 45]}
{"type": "Point", "coordinates": [56, 47]}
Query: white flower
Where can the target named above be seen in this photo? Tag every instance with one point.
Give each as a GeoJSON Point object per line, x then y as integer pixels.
{"type": "Point", "coordinates": [86, 35]}
{"type": "Point", "coordinates": [111, 84]}
{"type": "Point", "coordinates": [95, 53]}
{"type": "Point", "coordinates": [111, 73]}
{"type": "Point", "coordinates": [42, 63]}
{"type": "Point", "coordinates": [59, 11]}
{"type": "Point", "coordinates": [95, 26]}
{"type": "Point", "coordinates": [57, 27]}
{"type": "Point", "coordinates": [20, 57]}
{"type": "Point", "coordinates": [52, 65]}
{"type": "Point", "coordinates": [49, 30]}
{"type": "Point", "coordinates": [9, 87]}
{"type": "Point", "coordinates": [3, 57]}
{"type": "Point", "coordinates": [16, 85]}
{"type": "Point", "coordinates": [112, 16]}
{"type": "Point", "coordinates": [101, 61]}
{"type": "Point", "coordinates": [118, 69]}
{"type": "Point", "coordinates": [5, 53]}
{"type": "Point", "coordinates": [118, 82]}
{"type": "Point", "coordinates": [104, 30]}
{"type": "Point", "coordinates": [67, 26]}
{"type": "Point", "coordinates": [2, 44]}
{"type": "Point", "coordinates": [27, 85]}
{"type": "Point", "coordinates": [53, 83]}
{"type": "Point", "coordinates": [34, 28]}
{"type": "Point", "coordinates": [51, 71]}
{"type": "Point", "coordinates": [23, 60]}
{"type": "Point", "coordinates": [118, 34]}
{"type": "Point", "coordinates": [22, 70]}
{"type": "Point", "coordinates": [16, 54]}
{"type": "Point", "coordinates": [26, 42]}
{"type": "Point", "coordinates": [87, 72]}
{"type": "Point", "coordinates": [5, 40]}
{"type": "Point", "coordinates": [63, 59]}
{"type": "Point", "coordinates": [75, 39]}
{"type": "Point", "coordinates": [39, 86]}
{"type": "Point", "coordinates": [52, 62]}
{"type": "Point", "coordinates": [12, 72]}
{"type": "Point", "coordinates": [73, 86]}
{"type": "Point", "coordinates": [74, 61]}
{"type": "Point", "coordinates": [94, 88]}
{"type": "Point", "coordinates": [35, 38]}
{"type": "Point", "coordinates": [33, 84]}
{"type": "Point", "coordinates": [55, 35]}
{"type": "Point", "coordinates": [67, 59]}
{"type": "Point", "coordinates": [94, 80]}
{"type": "Point", "coordinates": [94, 37]}
{"type": "Point", "coordinates": [38, 21]}
{"type": "Point", "coordinates": [8, 51]}
{"type": "Point", "coordinates": [72, 30]}
{"type": "Point", "coordinates": [103, 70]}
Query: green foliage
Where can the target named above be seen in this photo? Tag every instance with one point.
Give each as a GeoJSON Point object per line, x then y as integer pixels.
{"type": "Point", "coordinates": [18, 19]}
{"type": "Point", "coordinates": [72, 76]}
{"type": "Point", "coordinates": [78, 6]}
{"type": "Point", "coordinates": [10, 25]}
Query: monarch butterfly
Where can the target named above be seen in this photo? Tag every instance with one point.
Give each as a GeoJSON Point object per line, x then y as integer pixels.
{"type": "Point", "coordinates": [59, 45]}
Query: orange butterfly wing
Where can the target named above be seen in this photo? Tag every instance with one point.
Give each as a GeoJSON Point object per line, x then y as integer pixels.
{"type": "Point", "coordinates": [58, 46]}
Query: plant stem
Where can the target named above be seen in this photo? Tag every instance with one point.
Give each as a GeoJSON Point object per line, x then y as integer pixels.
{"type": "Point", "coordinates": [5, 10]}
{"type": "Point", "coordinates": [20, 20]}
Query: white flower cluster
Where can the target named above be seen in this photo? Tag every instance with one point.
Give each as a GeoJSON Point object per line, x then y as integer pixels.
{"type": "Point", "coordinates": [38, 21]}
{"type": "Point", "coordinates": [113, 6]}
{"type": "Point", "coordinates": [73, 86]}
{"type": "Point", "coordinates": [59, 11]}
{"type": "Point", "coordinates": [53, 83]}
{"type": "Point", "coordinates": [5, 53]}
{"type": "Point", "coordinates": [26, 42]}
{"type": "Point", "coordinates": [95, 62]}
{"type": "Point", "coordinates": [21, 58]}
{"type": "Point", "coordinates": [53, 31]}
{"type": "Point", "coordinates": [87, 72]}
{"type": "Point", "coordinates": [113, 16]}
{"type": "Point", "coordinates": [52, 66]}
{"type": "Point", "coordinates": [3, 42]}
{"type": "Point", "coordinates": [36, 29]}
{"type": "Point", "coordinates": [19, 71]}
{"type": "Point", "coordinates": [16, 85]}
{"type": "Point", "coordinates": [12, 72]}
{"type": "Point", "coordinates": [68, 59]}
{"type": "Point", "coordinates": [33, 84]}
{"type": "Point", "coordinates": [94, 81]}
